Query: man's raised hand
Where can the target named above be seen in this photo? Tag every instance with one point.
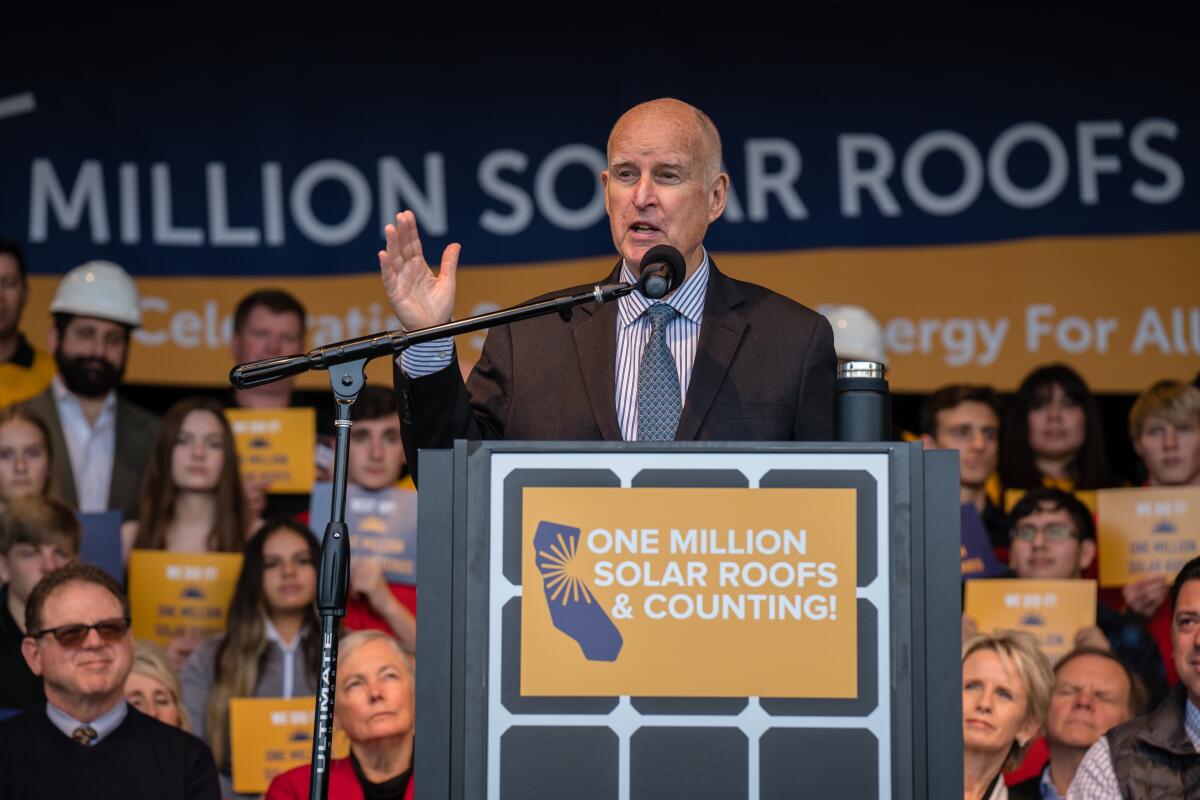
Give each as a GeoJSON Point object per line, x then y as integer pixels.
{"type": "Point", "coordinates": [419, 297]}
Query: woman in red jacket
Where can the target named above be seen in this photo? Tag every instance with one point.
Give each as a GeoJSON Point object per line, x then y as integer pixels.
{"type": "Point", "coordinates": [375, 707]}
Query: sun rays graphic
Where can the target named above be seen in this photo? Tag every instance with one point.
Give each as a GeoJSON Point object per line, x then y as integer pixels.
{"type": "Point", "coordinates": [559, 572]}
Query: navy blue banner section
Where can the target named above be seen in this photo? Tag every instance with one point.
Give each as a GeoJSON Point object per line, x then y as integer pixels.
{"type": "Point", "coordinates": [288, 165]}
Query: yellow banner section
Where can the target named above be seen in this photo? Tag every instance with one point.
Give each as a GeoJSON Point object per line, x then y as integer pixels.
{"type": "Point", "coordinates": [180, 594]}
{"type": "Point", "coordinates": [270, 735]}
{"type": "Point", "coordinates": [1053, 611]}
{"type": "Point", "coordinates": [276, 446]}
{"type": "Point", "coordinates": [1124, 310]}
{"type": "Point", "coordinates": [689, 592]}
{"type": "Point", "coordinates": [1147, 531]}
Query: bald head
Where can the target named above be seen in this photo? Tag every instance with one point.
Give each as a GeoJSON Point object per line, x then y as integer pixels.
{"type": "Point", "coordinates": [670, 115]}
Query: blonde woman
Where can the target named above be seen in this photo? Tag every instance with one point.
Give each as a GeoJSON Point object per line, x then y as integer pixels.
{"type": "Point", "coordinates": [1007, 683]}
{"type": "Point", "coordinates": [375, 708]}
{"type": "Point", "coordinates": [153, 686]}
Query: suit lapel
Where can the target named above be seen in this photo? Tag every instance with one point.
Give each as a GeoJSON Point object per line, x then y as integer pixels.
{"type": "Point", "coordinates": [123, 478]}
{"type": "Point", "coordinates": [595, 330]}
{"type": "Point", "coordinates": [720, 333]}
{"type": "Point", "coordinates": [45, 407]}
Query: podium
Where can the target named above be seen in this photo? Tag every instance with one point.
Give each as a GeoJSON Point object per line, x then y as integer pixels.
{"type": "Point", "coordinates": [688, 620]}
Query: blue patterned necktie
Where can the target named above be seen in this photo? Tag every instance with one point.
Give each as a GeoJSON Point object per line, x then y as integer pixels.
{"type": "Point", "coordinates": [658, 402]}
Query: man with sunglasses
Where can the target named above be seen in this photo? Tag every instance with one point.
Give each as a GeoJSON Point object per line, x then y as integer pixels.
{"type": "Point", "coordinates": [88, 742]}
{"type": "Point", "coordinates": [1053, 537]}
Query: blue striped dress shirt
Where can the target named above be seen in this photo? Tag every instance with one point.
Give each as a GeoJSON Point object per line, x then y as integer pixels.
{"type": "Point", "coordinates": [633, 331]}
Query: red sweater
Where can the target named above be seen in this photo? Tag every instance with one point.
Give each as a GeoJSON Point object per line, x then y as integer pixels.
{"type": "Point", "coordinates": [343, 783]}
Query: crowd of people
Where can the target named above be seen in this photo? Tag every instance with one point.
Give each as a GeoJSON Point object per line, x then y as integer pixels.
{"type": "Point", "coordinates": [1038, 725]}
{"type": "Point", "coordinates": [94, 708]}
{"type": "Point", "coordinates": [155, 719]}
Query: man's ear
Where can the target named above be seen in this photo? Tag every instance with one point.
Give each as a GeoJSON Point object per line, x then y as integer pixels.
{"type": "Point", "coordinates": [33, 655]}
{"type": "Point", "coordinates": [927, 442]}
{"type": "Point", "coordinates": [52, 338]}
{"type": "Point", "coordinates": [4, 576]}
{"type": "Point", "coordinates": [1087, 554]}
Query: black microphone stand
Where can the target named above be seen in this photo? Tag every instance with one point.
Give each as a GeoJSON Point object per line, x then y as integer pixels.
{"type": "Point", "coordinates": [346, 362]}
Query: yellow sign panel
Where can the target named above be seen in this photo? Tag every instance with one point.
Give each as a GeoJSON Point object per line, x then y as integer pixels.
{"type": "Point", "coordinates": [180, 594]}
{"type": "Point", "coordinates": [271, 735]}
{"type": "Point", "coordinates": [1147, 531]}
{"type": "Point", "coordinates": [276, 446]}
{"type": "Point", "coordinates": [689, 592]}
{"type": "Point", "coordinates": [1053, 611]}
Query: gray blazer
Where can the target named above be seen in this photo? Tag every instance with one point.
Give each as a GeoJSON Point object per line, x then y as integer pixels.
{"type": "Point", "coordinates": [136, 429]}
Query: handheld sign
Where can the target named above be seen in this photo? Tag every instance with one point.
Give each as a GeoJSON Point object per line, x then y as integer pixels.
{"type": "Point", "coordinates": [180, 594]}
{"type": "Point", "coordinates": [1147, 531]}
{"type": "Point", "coordinates": [276, 446]}
{"type": "Point", "coordinates": [383, 525]}
{"type": "Point", "coordinates": [978, 557]}
{"type": "Point", "coordinates": [1053, 611]}
{"type": "Point", "coordinates": [101, 543]}
{"type": "Point", "coordinates": [270, 735]}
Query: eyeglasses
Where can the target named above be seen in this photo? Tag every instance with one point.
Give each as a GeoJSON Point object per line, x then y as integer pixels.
{"type": "Point", "coordinates": [110, 630]}
{"type": "Point", "coordinates": [1054, 532]}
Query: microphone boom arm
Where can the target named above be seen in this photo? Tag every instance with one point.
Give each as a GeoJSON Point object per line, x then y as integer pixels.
{"type": "Point", "coordinates": [269, 370]}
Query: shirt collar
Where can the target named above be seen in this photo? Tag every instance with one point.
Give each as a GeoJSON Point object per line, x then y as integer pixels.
{"type": "Point", "coordinates": [103, 725]}
{"type": "Point", "coordinates": [1047, 786]}
{"type": "Point", "coordinates": [688, 299]}
{"type": "Point", "coordinates": [274, 635]}
{"type": "Point", "coordinates": [1191, 723]}
{"type": "Point", "coordinates": [64, 395]}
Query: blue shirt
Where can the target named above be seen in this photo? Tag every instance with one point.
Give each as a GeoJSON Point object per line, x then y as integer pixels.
{"type": "Point", "coordinates": [103, 725]}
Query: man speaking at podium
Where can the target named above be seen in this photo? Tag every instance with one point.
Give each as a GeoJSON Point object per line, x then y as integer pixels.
{"type": "Point", "coordinates": [715, 359]}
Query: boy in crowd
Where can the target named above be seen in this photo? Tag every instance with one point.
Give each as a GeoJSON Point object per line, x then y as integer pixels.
{"type": "Point", "coordinates": [37, 536]}
{"type": "Point", "coordinates": [1054, 538]}
{"type": "Point", "coordinates": [967, 419]}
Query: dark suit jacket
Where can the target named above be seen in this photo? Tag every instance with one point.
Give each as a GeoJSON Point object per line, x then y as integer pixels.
{"type": "Point", "coordinates": [1027, 790]}
{"type": "Point", "coordinates": [136, 428]}
{"type": "Point", "coordinates": [764, 371]}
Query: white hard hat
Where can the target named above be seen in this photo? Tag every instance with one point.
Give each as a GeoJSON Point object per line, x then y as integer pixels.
{"type": "Point", "coordinates": [99, 289]}
{"type": "Point", "coordinates": [857, 335]}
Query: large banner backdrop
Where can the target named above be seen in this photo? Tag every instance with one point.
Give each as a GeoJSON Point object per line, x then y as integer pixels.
{"type": "Point", "coordinates": [993, 218]}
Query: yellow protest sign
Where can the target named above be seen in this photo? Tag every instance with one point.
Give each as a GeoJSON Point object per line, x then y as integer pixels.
{"type": "Point", "coordinates": [1053, 611]}
{"type": "Point", "coordinates": [1085, 496]}
{"type": "Point", "coordinates": [1147, 531]}
{"type": "Point", "coordinates": [271, 735]}
{"type": "Point", "coordinates": [276, 446]}
{"type": "Point", "coordinates": [689, 592]}
{"type": "Point", "coordinates": [180, 594]}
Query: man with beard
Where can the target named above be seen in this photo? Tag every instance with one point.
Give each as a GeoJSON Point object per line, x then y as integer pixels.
{"type": "Point", "coordinates": [24, 371]}
{"type": "Point", "coordinates": [100, 441]}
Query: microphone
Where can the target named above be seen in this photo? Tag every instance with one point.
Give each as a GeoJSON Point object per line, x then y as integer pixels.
{"type": "Point", "coordinates": [661, 271]}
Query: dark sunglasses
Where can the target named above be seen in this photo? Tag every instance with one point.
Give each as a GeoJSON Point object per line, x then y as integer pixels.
{"type": "Point", "coordinates": [110, 630]}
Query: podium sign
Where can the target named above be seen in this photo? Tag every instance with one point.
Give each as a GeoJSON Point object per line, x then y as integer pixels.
{"type": "Point", "coordinates": [693, 620]}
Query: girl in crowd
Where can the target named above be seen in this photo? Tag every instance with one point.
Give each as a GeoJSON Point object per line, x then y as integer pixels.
{"type": "Point", "coordinates": [375, 709]}
{"type": "Point", "coordinates": [153, 686]}
{"type": "Point", "coordinates": [192, 498]}
{"type": "Point", "coordinates": [272, 646]}
{"type": "Point", "coordinates": [376, 462]}
{"type": "Point", "coordinates": [24, 454]}
{"type": "Point", "coordinates": [1052, 434]}
{"type": "Point", "coordinates": [1006, 692]}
